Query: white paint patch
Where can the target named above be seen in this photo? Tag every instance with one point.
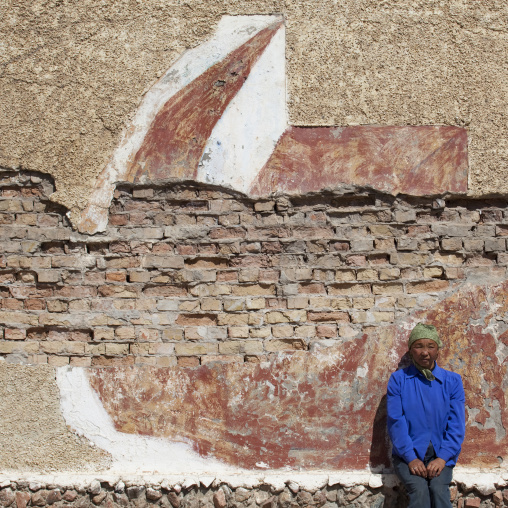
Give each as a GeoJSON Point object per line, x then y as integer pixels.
{"type": "Point", "coordinates": [362, 371]}
{"type": "Point", "coordinates": [231, 33]}
{"type": "Point", "coordinates": [85, 414]}
{"type": "Point", "coordinates": [246, 134]}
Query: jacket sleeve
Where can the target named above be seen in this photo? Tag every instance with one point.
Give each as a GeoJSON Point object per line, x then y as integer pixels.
{"type": "Point", "coordinates": [456, 425]}
{"type": "Point", "coordinates": [397, 424]}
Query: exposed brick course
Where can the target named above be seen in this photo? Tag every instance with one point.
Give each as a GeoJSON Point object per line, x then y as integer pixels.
{"type": "Point", "coordinates": [188, 274]}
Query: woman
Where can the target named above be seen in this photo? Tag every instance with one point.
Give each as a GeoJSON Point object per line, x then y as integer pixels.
{"type": "Point", "coordinates": [426, 421]}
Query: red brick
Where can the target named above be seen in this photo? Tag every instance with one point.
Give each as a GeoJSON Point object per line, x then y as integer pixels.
{"type": "Point", "coordinates": [35, 304]}
{"type": "Point", "coordinates": [327, 331]}
{"type": "Point", "coordinates": [312, 288]}
{"type": "Point", "coordinates": [14, 334]}
{"type": "Point", "coordinates": [188, 361]}
{"type": "Point", "coordinates": [118, 220]}
{"type": "Point", "coordinates": [116, 276]}
{"type": "Point", "coordinates": [223, 233]}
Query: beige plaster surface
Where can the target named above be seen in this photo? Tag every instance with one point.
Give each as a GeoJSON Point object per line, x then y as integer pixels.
{"type": "Point", "coordinates": [73, 73]}
{"type": "Point", "coordinates": [33, 434]}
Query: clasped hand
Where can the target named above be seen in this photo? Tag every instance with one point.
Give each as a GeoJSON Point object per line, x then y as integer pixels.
{"type": "Point", "coordinates": [432, 470]}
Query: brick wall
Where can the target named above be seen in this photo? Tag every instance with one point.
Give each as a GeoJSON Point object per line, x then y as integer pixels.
{"type": "Point", "coordinates": [188, 274]}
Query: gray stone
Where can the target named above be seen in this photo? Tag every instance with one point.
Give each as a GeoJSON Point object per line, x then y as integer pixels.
{"type": "Point", "coordinates": [94, 488]}
{"type": "Point", "coordinates": [54, 496]}
{"type": "Point", "coordinates": [174, 499]}
{"type": "Point", "coordinates": [219, 499]}
{"type": "Point", "coordinates": [242, 494]}
{"type": "Point", "coordinates": [7, 497]}
{"type": "Point", "coordinates": [135, 492]}
{"type": "Point", "coordinates": [153, 494]}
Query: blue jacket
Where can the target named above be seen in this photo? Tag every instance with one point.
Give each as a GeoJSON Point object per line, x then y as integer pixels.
{"type": "Point", "coordinates": [421, 411]}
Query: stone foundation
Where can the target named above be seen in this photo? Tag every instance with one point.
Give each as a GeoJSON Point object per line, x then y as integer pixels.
{"type": "Point", "coordinates": [193, 494]}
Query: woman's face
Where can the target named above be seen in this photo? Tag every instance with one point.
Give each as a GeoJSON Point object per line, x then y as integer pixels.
{"type": "Point", "coordinates": [424, 352]}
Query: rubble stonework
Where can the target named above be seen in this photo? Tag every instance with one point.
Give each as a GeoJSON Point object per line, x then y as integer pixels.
{"type": "Point", "coordinates": [196, 494]}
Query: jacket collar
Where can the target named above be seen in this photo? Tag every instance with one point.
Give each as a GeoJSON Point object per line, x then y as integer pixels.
{"type": "Point", "coordinates": [438, 372]}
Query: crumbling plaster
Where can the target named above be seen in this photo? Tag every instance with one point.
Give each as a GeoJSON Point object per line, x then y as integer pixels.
{"type": "Point", "coordinates": [73, 74]}
{"type": "Point", "coordinates": [33, 432]}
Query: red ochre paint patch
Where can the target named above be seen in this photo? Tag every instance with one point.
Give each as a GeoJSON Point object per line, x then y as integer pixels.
{"type": "Point", "coordinates": [417, 161]}
{"type": "Point", "coordinates": [175, 141]}
{"type": "Point", "coordinates": [317, 410]}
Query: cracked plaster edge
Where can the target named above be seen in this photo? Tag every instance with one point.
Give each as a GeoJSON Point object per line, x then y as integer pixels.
{"type": "Point", "coordinates": [485, 481]}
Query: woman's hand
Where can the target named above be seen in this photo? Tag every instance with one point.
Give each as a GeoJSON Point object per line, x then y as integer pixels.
{"type": "Point", "coordinates": [435, 467]}
{"type": "Point", "coordinates": [418, 468]}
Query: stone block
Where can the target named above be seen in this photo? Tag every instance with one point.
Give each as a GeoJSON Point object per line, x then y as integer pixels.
{"type": "Point", "coordinates": [234, 305]}
{"type": "Point", "coordinates": [495, 244]}
{"type": "Point", "coordinates": [451, 244]}
{"type": "Point", "coordinates": [389, 273]}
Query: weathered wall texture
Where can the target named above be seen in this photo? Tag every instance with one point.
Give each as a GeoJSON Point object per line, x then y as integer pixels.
{"type": "Point", "coordinates": [33, 434]}
{"type": "Point", "coordinates": [233, 290]}
{"type": "Point", "coordinates": [73, 74]}
{"type": "Point", "coordinates": [192, 294]}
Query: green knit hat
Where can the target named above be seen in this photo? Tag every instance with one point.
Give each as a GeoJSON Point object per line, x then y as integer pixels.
{"type": "Point", "coordinates": [423, 331]}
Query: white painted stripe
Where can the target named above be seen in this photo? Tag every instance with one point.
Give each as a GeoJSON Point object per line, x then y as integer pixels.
{"type": "Point", "coordinates": [131, 453]}
{"type": "Point", "coordinates": [231, 33]}
{"type": "Point", "coordinates": [245, 136]}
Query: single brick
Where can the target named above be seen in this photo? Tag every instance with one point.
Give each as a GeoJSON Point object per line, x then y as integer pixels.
{"type": "Point", "coordinates": [190, 349]}
{"type": "Point", "coordinates": [190, 361]}
{"type": "Point", "coordinates": [387, 288]}
{"type": "Point", "coordinates": [282, 331]}
{"type": "Point", "coordinates": [345, 275]}
{"type": "Point", "coordinates": [349, 289]}
{"type": "Point", "coordinates": [259, 303]}
{"type": "Point", "coordinates": [260, 333]}
{"type": "Point", "coordinates": [326, 331]}
{"type": "Point", "coordinates": [427, 287]}
{"type": "Point", "coordinates": [433, 272]}
{"type": "Point", "coordinates": [328, 316]}
{"type": "Point", "coordinates": [404, 215]}
{"type": "Point", "coordinates": [238, 332]}
{"type": "Point", "coordinates": [495, 244]}
{"type": "Point", "coordinates": [363, 303]}
{"type": "Point", "coordinates": [367, 274]}
{"type": "Point", "coordinates": [451, 244]}
{"type": "Point", "coordinates": [407, 243]}
{"type": "Point", "coordinates": [276, 345]}
{"type": "Point", "coordinates": [48, 276]}
{"type": "Point", "coordinates": [14, 334]}
{"type": "Point", "coordinates": [473, 244]}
